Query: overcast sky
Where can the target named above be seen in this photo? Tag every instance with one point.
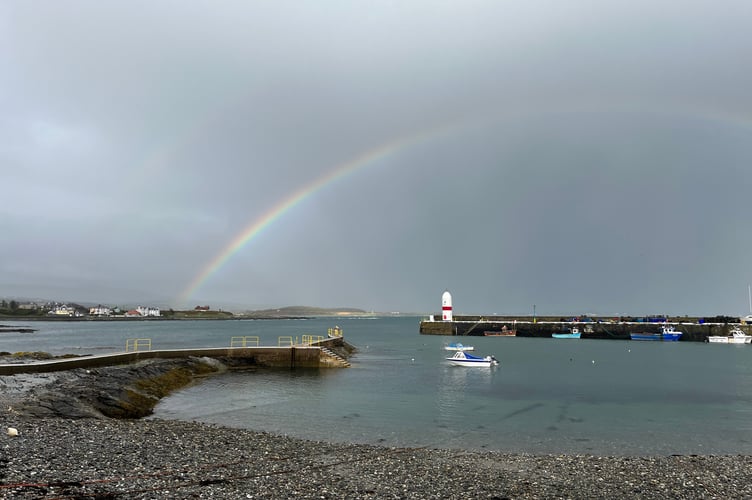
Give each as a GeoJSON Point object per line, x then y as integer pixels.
{"type": "Point", "coordinates": [582, 156]}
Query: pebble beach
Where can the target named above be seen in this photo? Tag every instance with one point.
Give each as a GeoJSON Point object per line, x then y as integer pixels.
{"type": "Point", "coordinates": [105, 458]}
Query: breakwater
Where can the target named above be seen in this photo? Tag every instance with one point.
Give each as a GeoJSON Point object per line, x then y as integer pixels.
{"type": "Point", "coordinates": [332, 352]}
{"type": "Point", "coordinates": [544, 327]}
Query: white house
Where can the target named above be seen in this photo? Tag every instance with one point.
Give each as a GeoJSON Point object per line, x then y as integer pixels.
{"type": "Point", "coordinates": [100, 311]}
{"type": "Point", "coordinates": [148, 311]}
{"type": "Point", "coordinates": [63, 310]}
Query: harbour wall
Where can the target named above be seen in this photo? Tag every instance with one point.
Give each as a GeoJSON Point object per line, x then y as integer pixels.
{"type": "Point", "coordinates": [545, 327]}
{"type": "Point", "coordinates": [324, 354]}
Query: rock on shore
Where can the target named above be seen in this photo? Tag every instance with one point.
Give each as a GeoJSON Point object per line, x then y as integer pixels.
{"type": "Point", "coordinates": [123, 391]}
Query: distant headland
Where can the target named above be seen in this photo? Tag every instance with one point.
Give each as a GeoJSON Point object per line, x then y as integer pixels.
{"type": "Point", "coordinates": [54, 311]}
{"type": "Point", "coordinates": [305, 312]}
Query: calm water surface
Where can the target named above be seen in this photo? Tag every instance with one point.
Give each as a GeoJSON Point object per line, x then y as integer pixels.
{"type": "Point", "coordinates": [549, 395]}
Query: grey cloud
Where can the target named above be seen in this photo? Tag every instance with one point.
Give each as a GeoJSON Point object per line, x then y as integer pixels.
{"type": "Point", "coordinates": [596, 155]}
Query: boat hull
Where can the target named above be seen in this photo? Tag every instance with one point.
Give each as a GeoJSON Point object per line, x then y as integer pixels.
{"type": "Point", "coordinates": [718, 340]}
{"type": "Point", "coordinates": [471, 364]}
{"type": "Point", "coordinates": [666, 337]}
{"type": "Point", "coordinates": [731, 339]}
{"type": "Point", "coordinates": [565, 335]}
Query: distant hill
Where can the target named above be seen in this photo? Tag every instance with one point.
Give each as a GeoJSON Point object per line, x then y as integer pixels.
{"type": "Point", "coordinates": [303, 311]}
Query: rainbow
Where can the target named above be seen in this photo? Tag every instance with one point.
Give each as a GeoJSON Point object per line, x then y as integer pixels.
{"type": "Point", "coordinates": [388, 149]}
{"type": "Point", "coordinates": [260, 223]}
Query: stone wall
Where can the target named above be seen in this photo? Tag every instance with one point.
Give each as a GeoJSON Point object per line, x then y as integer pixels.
{"type": "Point", "coordinates": [274, 357]}
{"type": "Point", "coordinates": [594, 330]}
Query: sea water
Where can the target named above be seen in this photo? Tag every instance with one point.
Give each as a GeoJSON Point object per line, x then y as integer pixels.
{"type": "Point", "coordinates": [608, 397]}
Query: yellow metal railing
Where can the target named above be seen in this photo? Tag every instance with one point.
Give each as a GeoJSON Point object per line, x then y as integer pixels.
{"type": "Point", "coordinates": [334, 332]}
{"type": "Point", "coordinates": [311, 339]}
{"type": "Point", "coordinates": [289, 340]}
{"type": "Point", "coordinates": [244, 341]}
{"type": "Point", "coordinates": [137, 344]}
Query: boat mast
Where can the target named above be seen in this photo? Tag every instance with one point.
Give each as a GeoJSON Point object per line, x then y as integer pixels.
{"type": "Point", "coordinates": [749, 291]}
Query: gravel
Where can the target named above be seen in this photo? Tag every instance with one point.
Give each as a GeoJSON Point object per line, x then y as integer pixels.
{"type": "Point", "coordinates": [105, 458]}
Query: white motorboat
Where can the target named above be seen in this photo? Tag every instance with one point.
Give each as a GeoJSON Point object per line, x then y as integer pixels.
{"type": "Point", "coordinates": [461, 358]}
{"type": "Point", "coordinates": [735, 336]}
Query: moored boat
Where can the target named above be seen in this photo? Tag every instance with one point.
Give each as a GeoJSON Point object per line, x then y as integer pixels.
{"type": "Point", "coordinates": [462, 358]}
{"type": "Point", "coordinates": [667, 333]}
{"type": "Point", "coordinates": [735, 336]}
{"type": "Point", "coordinates": [508, 333]}
{"type": "Point", "coordinates": [574, 333]}
{"type": "Point", "coordinates": [505, 332]}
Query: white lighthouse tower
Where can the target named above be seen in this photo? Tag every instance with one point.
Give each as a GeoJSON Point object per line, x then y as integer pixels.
{"type": "Point", "coordinates": [446, 306]}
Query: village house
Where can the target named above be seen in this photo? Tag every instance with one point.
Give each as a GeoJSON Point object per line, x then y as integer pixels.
{"type": "Point", "coordinates": [100, 310]}
{"type": "Point", "coordinates": [64, 310]}
{"type": "Point", "coordinates": [148, 311]}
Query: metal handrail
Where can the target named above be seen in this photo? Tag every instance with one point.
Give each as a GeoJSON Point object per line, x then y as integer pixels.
{"type": "Point", "coordinates": [136, 344]}
{"type": "Point", "coordinates": [244, 341]}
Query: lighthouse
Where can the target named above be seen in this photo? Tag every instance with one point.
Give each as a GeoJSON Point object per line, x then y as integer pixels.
{"type": "Point", "coordinates": [446, 306]}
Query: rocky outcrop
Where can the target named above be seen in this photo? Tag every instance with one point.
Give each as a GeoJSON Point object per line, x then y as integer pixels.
{"type": "Point", "coordinates": [126, 391]}
{"type": "Point", "coordinates": [11, 329]}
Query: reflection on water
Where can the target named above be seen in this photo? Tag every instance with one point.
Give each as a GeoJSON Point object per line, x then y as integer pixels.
{"type": "Point", "coordinates": [454, 400]}
{"type": "Point", "coordinates": [453, 386]}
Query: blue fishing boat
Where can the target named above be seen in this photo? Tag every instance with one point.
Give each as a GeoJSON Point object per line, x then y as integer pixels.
{"type": "Point", "coordinates": [574, 333]}
{"type": "Point", "coordinates": [667, 334]}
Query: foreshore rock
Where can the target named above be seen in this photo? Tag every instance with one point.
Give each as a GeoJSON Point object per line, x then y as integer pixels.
{"type": "Point", "coordinates": [10, 329]}
{"type": "Point", "coordinates": [124, 391]}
